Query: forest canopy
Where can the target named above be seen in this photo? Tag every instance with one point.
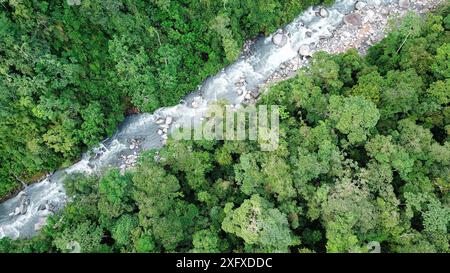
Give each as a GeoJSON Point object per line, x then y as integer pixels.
{"type": "Point", "coordinates": [363, 160]}
{"type": "Point", "coordinates": [69, 73]}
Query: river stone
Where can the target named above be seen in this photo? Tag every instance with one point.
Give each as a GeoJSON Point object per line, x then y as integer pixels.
{"type": "Point", "coordinates": [279, 39]}
{"type": "Point", "coordinates": [323, 12]}
{"type": "Point", "coordinates": [168, 120]}
{"type": "Point", "coordinates": [41, 207]}
{"type": "Point", "coordinates": [304, 50]}
{"type": "Point", "coordinates": [353, 19]}
{"type": "Point", "coordinates": [360, 5]}
{"type": "Point", "coordinates": [160, 132]}
{"type": "Point", "coordinates": [308, 34]}
{"type": "Point", "coordinates": [404, 4]}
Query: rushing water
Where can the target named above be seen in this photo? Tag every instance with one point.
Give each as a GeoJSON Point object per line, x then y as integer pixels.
{"type": "Point", "coordinates": [22, 215]}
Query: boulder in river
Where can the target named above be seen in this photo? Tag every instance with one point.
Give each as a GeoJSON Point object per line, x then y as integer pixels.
{"type": "Point", "coordinates": [360, 5]}
{"type": "Point", "coordinates": [323, 12]}
{"type": "Point", "coordinates": [41, 207]}
{"type": "Point", "coordinates": [279, 39]}
{"type": "Point", "coordinates": [51, 207]}
{"type": "Point", "coordinates": [23, 209]}
{"type": "Point", "coordinates": [169, 120]}
{"type": "Point", "coordinates": [24, 203]}
{"type": "Point", "coordinates": [304, 50]}
{"type": "Point", "coordinates": [353, 19]}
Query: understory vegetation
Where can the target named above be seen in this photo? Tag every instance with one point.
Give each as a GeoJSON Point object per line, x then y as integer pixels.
{"type": "Point", "coordinates": [69, 73]}
{"type": "Point", "coordinates": [364, 160]}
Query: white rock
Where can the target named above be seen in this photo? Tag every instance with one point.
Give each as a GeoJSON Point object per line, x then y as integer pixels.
{"type": "Point", "coordinates": [323, 12]}
{"type": "Point", "coordinates": [160, 132]}
{"type": "Point", "coordinates": [194, 104]}
{"type": "Point", "coordinates": [360, 5]}
{"type": "Point", "coordinates": [165, 130]}
{"type": "Point", "coordinates": [279, 39]}
{"type": "Point", "coordinates": [159, 121]}
{"type": "Point", "coordinates": [132, 146]}
{"type": "Point", "coordinates": [304, 50]}
{"type": "Point", "coordinates": [247, 96]}
{"type": "Point", "coordinates": [164, 137]}
{"type": "Point", "coordinates": [168, 120]}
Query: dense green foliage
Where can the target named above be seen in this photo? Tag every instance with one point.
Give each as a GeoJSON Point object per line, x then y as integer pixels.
{"type": "Point", "coordinates": [364, 157]}
{"type": "Point", "coordinates": [68, 73]}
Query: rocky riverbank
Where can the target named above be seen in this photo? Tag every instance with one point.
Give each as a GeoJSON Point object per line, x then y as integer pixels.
{"type": "Point", "coordinates": [366, 25]}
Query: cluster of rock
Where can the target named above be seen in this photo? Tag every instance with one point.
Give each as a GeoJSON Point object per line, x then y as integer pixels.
{"type": "Point", "coordinates": [134, 143]}
{"type": "Point", "coordinates": [48, 206]}
{"type": "Point", "coordinates": [247, 47]}
{"type": "Point", "coordinates": [24, 203]}
{"type": "Point", "coordinates": [249, 96]}
{"type": "Point", "coordinates": [360, 29]}
{"type": "Point", "coordinates": [163, 127]}
{"type": "Point", "coordinates": [127, 162]}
